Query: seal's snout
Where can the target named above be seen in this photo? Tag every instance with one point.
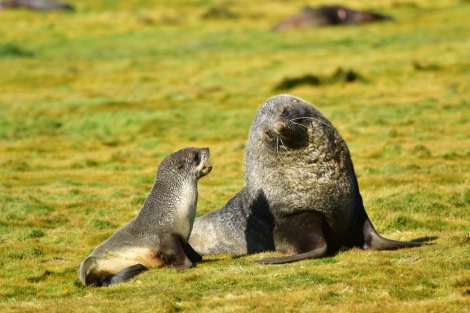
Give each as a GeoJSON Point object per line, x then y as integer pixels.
{"type": "Point", "coordinates": [267, 134]}
{"type": "Point", "coordinates": [280, 128]}
{"type": "Point", "coordinates": [207, 168]}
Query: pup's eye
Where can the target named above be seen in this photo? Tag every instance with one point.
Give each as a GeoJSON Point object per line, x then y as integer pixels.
{"type": "Point", "coordinates": [285, 112]}
{"type": "Point", "coordinates": [196, 157]}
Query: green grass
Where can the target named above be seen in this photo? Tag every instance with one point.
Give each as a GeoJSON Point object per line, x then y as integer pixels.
{"type": "Point", "coordinates": [91, 102]}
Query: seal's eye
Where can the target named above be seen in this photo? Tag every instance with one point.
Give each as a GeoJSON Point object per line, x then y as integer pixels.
{"type": "Point", "coordinates": [196, 157]}
{"type": "Point", "coordinates": [285, 112]}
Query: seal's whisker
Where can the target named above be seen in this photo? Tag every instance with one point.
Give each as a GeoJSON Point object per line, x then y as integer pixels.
{"type": "Point", "coordinates": [314, 119]}
{"type": "Point", "coordinates": [281, 144]}
{"type": "Point", "coordinates": [298, 124]}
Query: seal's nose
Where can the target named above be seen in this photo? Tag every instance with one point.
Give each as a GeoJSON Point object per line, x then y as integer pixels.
{"type": "Point", "coordinates": [267, 134]}
{"type": "Point", "coordinates": [280, 128]}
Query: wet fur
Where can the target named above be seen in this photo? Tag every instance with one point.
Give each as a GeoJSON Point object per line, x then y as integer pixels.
{"type": "Point", "coordinates": [158, 236]}
{"type": "Point", "coordinates": [301, 196]}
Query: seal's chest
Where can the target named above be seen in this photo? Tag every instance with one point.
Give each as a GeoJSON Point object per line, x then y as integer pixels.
{"type": "Point", "coordinates": [186, 210]}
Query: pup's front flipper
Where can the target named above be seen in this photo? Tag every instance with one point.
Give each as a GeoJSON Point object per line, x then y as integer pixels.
{"type": "Point", "coordinates": [173, 252]}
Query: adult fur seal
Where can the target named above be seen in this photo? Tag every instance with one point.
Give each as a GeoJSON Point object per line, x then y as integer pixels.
{"type": "Point", "coordinates": [328, 15]}
{"type": "Point", "coordinates": [159, 234]}
{"type": "Point", "coordinates": [37, 5]}
{"type": "Point", "coordinates": [301, 196]}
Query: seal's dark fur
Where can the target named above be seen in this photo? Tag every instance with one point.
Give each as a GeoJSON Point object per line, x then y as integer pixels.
{"type": "Point", "coordinates": [301, 196]}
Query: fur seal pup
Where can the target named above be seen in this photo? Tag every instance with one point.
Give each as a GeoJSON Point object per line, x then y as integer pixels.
{"type": "Point", "coordinates": [328, 15]}
{"type": "Point", "coordinates": [158, 235]}
{"type": "Point", "coordinates": [301, 196]}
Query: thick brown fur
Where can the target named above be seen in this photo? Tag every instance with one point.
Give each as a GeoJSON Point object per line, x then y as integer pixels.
{"type": "Point", "coordinates": [158, 235]}
{"type": "Point", "coordinates": [301, 196]}
{"type": "Point", "coordinates": [328, 15]}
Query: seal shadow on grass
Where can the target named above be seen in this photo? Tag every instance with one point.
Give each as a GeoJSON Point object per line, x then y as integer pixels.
{"type": "Point", "coordinates": [220, 11]}
{"type": "Point", "coordinates": [339, 76]}
{"type": "Point", "coordinates": [426, 239]}
{"type": "Point", "coordinates": [14, 50]}
{"type": "Point", "coordinates": [419, 66]}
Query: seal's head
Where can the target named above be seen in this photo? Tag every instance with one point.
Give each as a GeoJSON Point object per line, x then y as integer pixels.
{"type": "Point", "coordinates": [189, 162]}
{"type": "Point", "coordinates": [281, 123]}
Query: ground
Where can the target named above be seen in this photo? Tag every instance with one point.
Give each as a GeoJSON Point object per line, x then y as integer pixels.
{"type": "Point", "coordinates": [92, 100]}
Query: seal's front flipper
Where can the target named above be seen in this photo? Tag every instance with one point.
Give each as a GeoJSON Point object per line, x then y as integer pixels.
{"type": "Point", "coordinates": [185, 257]}
{"type": "Point", "coordinates": [124, 275]}
{"type": "Point", "coordinates": [300, 235]}
{"type": "Point", "coordinates": [192, 254]}
{"type": "Point", "coordinates": [173, 252]}
{"type": "Point", "coordinates": [182, 266]}
{"type": "Point", "coordinates": [373, 241]}
{"type": "Point", "coordinates": [315, 253]}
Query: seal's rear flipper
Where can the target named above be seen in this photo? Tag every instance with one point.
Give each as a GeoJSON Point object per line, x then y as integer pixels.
{"type": "Point", "coordinates": [373, 241]}
{"type": "Point", "coordinates": [124, 275]}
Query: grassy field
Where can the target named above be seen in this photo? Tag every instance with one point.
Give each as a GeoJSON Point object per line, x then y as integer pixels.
{"type": "Point", "coordinates": [92, 100]}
